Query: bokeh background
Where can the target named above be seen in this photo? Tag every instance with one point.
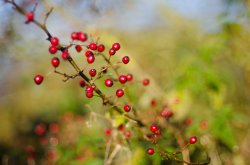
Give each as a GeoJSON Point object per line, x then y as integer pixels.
{"type": "Point", "coordinates": [196, 52]}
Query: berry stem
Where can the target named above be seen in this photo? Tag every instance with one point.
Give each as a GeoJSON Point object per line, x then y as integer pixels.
{"type": "Point", "coordinates": [110, 63]}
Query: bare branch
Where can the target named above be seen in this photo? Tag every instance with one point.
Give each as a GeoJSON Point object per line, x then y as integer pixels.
{"type": "Point", "coordinates": [34, 9]}
{"type": "Point", "coordinates": [47, 16]}
{"type": "Point", "coordinates": [67, 77]}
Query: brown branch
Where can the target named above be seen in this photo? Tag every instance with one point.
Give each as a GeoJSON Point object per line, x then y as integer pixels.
{"type": "Point", "coordinates": [47, 16]}
{"type": "Point", "coordinates": [67, 77]}
{"type": "Point", "coordinates": [35, 6]}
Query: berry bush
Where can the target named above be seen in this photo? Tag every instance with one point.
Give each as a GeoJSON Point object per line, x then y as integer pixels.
{"type": "Point", "coordinates": [122, 116]}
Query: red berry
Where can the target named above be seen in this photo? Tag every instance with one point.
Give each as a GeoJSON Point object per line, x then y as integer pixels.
{"type": "Point", "coordinates": [119, 92]}
{"type": "Point", "coordinates": [43, 141]}
{"type": "Point", "coordinates": [192, 139]}
{"type": "Point", "coordinates": [54, 41]}
{"type": "Point", "coordinates": [154, 128]}
{"type": "Point", "coordinates": [127, 108]}
{"type": "Point", "coordinates": [188, 121]}
{"type": "Point", "coordinates": [145, 82]}
{"type": "Point", "coordinates": [123, 79]}
{"type": "Point", "coordinates": [204, 124]}
{"type": "Point", "coordinates": [129, 77]}
{"type": "Point", "coordinates": [111, 52]}
{"type": "Point", "coordinates": [89, 94]}
{"type": "Point", "coordinates": [74, 36]}
{"type": "Point", "coordinates": [153, 102]}
{"type": "Point", "coordinates": [89, 89]}
{"type": "Point", "coordinates": [82, 83]}
{"type": "Point", "coordinates": [51, 154]}
{"type": "Point", "coordinates": [92, 46]}
{"type": "Point", "coordinates": [127, 134]}
{"type": "Point", "coordinates": [108, 131]}
{"type": "Point", "coordinates": [40, 129]}
{"type": "Point", "coordinates": [100, 48]}
{"type": "Point", "coordinates": [121, 127]}
{"type": "Point", "coordinates": [89, 53]}
{"type": "Point", "coordinates": [92, 72]}
{"type": "Point", "coordinates": [55, 61]}
{"type": "Point", "coordinates": [54, 128]}
{"type": "Point", "coordinates": [108, 82]}
{"type": "Point", "coordinates": [65, 55]}
{"type": "Point", "coordinates": [29, 17]}
{"type": "Point", "coordinates": [38, 79]}
{"type": "Point", "coordinates": [78, 48]}
{"type": "Point", "coordinates": [150, 151]}
{"type": "Point", "coordinates": [30, 151]}
{"type": "Point", "coordinates": [82, 36]}
{"type": "Point", "coordinates": [116, 46]}
{"type": "Point", "coordinates": [90, 59]}
{"type": "Point", "coordinates": [158, 132]}
{"type": "Point", "coordinates": [166, 112]}
{"type": "Point", "coordinates": [125, 59]}
{"type": "Point", "coordinates": [52, 49]}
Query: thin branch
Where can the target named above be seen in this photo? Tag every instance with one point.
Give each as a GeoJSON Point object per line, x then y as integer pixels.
{"type": "Point", "coordinates": [190, 163]}
{"type": "Point", "coordinates": [47, 15]}
{"type": "Point", "coordinates": [113, 154]}
{"type": "Point", "coordinates": [67, 77]}
{"type": "Point", "coordinates": [108, 146]}
{"type": "Point", "coordinates": [35, 6]}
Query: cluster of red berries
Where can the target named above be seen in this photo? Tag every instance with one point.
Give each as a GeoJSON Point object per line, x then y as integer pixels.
{"type": "Point", "coordinates": [89, 91]}
{"type": "Point", "coordinates": [54, 42]}
{"type": "Point", "coordinates": [41, 129]}
{"type": "Point", "coordinates": [47, 137]}
{"type": "Point", "coordinates": [126, 133]}
{"type": "Point", "coordinates": [154, 128]}
{"type": "Point", "coordinates": [80, 36]}
{"type": "Point", "coordinates": [120, 128]}
{"type": "Point", "coordinates": [91, 49]}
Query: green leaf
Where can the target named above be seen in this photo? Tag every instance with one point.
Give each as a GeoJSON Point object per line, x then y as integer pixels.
{"type": "Point", "coordinates": [119, 120]}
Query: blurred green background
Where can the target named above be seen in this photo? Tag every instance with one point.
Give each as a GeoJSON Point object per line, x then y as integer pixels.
{"type": "Point", "coordinates": [194, 51]}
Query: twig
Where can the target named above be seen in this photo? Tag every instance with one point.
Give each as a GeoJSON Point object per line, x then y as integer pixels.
{"type": "Point", "coordinates": [107, 151]}
{"type": "Point", "coordinates": [34, 9]}
{"type": "Point", "coordinates": [67, 77]}
{"type": "Point", "coordinates": [113, 154]}
{"type": "Point", "coordinates": [46, 16]}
